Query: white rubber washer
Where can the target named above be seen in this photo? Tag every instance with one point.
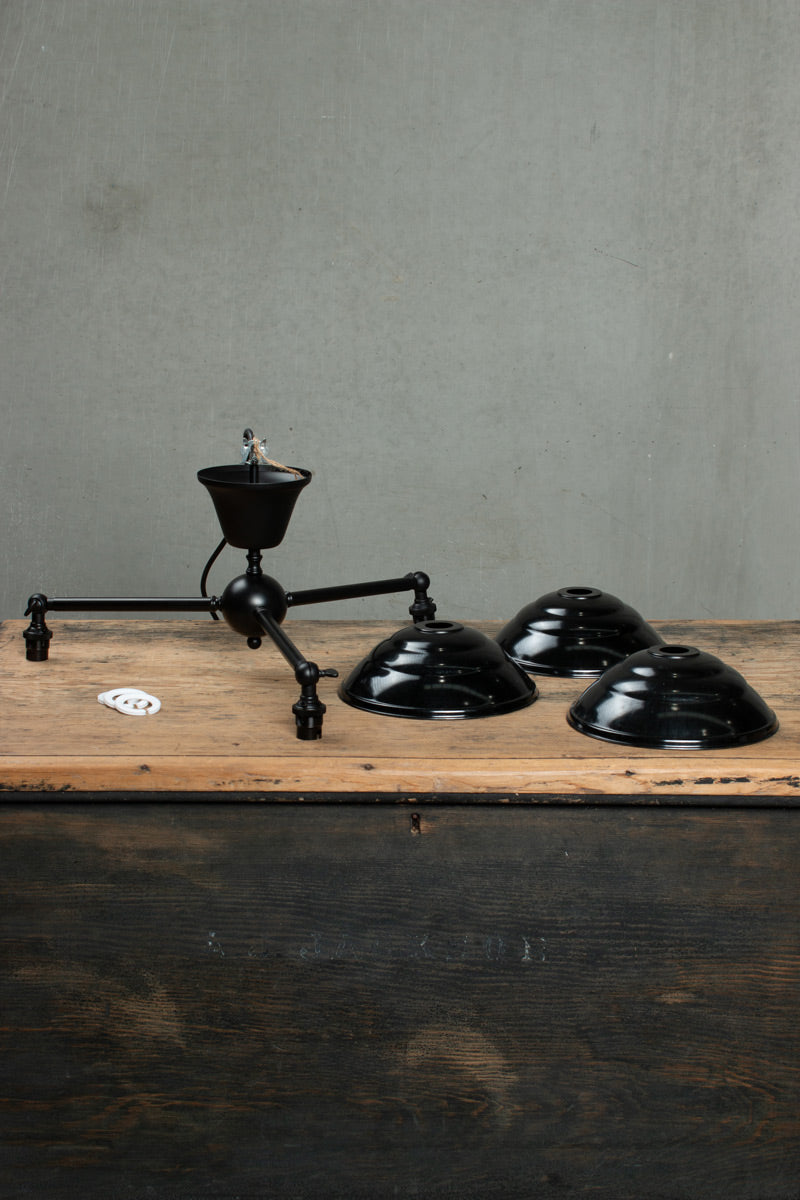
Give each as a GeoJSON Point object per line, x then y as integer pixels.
{"type": "Point", "coordinates": [132, 702]}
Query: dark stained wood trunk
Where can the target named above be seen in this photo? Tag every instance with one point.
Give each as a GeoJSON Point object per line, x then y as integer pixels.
{"type": "Point", "coordinates": [336, 1000]}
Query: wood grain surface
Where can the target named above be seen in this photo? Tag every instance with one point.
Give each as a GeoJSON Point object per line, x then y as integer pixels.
{"type": "Point", "coordinates": [226, 725]}
{"type": "Point", "coordinates": [251, 1001]}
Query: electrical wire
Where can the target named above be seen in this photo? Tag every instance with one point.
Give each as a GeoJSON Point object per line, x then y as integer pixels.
{"type": "Point", "coordinates": [207, 568]}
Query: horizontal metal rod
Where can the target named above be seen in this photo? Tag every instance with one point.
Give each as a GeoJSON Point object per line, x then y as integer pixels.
{"type": "Point", "coordinates": [133, 604]}
{"type": "Point", "coordinates": [351, 591]}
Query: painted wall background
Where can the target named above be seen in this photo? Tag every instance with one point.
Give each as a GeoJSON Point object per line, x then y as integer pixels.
{"type": "Point", "coordinates": [516, 279]}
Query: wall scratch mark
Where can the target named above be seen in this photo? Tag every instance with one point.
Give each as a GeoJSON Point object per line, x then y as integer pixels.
{"type": "Point", "coordinates": [617, 258]}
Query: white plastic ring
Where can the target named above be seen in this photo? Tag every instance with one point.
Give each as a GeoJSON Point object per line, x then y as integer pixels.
{"type": "Point", "coordinates": [131, 701]}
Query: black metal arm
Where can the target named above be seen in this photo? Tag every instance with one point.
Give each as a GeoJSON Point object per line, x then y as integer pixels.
{"type": "Point", "coordinates": [423, 608]}
{"type": "Point", "coordinates": [37, 636]}
{"type": "Point", "coordinates": [244, 605]}
{"type": "Point", "coordinates": [309, 709]}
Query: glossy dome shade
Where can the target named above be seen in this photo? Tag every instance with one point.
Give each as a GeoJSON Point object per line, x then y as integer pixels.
{"type": "Point", "coordinates": [673, 698]}
{"type": "Point", "coordinates": [576, 632]}
{"type": "Point", "coordinates": [253, 508]}
{"type": "Point", "coordinates": [438, 670]}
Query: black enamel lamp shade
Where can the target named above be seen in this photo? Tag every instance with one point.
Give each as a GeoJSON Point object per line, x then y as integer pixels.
{"type": "Point", "coordinates": [673, 698]}
{"type": "Point", "coordinates": [575, 631]}
{"type": "Point", "coordinates": [438, 670]}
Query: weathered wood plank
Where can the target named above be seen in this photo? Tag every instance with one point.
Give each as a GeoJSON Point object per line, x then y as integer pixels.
{"type": "Point", "coordinates": [712, 776]}
{"type": "Point", "coordinates": [226, 723]}
{"type": "Point", "coordinates": [229, 1000]}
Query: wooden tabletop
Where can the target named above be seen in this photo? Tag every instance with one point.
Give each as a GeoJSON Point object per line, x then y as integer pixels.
{"type": "Point", "coordinates": [226, 726]}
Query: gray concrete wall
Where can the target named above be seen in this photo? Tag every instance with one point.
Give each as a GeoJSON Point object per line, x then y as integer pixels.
{"type": "Point", "coordinates": [516, 279]}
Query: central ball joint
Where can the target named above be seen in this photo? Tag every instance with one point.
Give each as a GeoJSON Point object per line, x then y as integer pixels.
{"type": "Point", "coordinates": [244, 596]}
